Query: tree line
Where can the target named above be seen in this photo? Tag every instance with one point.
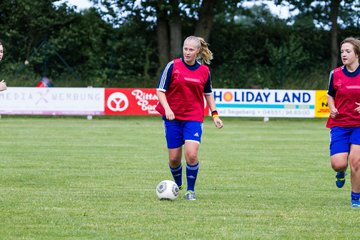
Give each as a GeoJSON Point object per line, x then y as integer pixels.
{"type": "Point", "coordinates": [127, 43]}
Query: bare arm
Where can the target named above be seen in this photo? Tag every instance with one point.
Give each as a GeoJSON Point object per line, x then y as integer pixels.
{"type": "Point", "coordinates": [3, 85]}
{"type": "Point", "coordinates": [211, 102]}
{"type": "Point", "coordinates": [169, 114]}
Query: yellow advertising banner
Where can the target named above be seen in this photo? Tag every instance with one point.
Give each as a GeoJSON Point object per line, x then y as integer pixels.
{"type": "Point", "coordinates": [321, 104]}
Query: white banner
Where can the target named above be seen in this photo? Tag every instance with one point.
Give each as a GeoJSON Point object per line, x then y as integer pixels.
{"type": "Point", "coordinates": [265, 103]}
{"type": "Point", "coordinates": [52, 101]}
{"type": "Point", "coordinates": [91, 101]}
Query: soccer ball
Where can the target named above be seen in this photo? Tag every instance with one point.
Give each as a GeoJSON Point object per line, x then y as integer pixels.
{"type": "Point", "coordinates": [167, 190]}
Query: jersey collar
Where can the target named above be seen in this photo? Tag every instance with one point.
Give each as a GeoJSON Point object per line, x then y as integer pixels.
{"type": "Point", "coordinates": [191, 67]}
{"type": "Point", "coordinates": [351, 74]}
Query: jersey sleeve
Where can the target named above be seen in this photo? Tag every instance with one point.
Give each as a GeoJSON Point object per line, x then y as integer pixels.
{"type": "Point", "coordinates": [208, 86]}
{"type": "Point", "coordinates": [331, 91]}
{"type": "Point", "coordinates": [165, 77]}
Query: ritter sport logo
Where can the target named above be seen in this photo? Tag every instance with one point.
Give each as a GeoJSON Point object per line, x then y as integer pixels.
{"type": "Point", "coordinates": [117, 102]}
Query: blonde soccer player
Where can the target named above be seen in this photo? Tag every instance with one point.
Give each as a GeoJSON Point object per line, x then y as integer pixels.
{"type": "Point", "coordinates": [181, 89]}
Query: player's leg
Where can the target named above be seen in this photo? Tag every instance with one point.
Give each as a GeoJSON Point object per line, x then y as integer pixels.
{"type": "Point", "coordinates": [192, 137]}
{"type": "Point", "coordinates": [192, 167]}
{"type": "Point", "coordinates": [175, 165]}
{"type": "Point", "coordinates": [339, 163]}
{"type": "Point", "coordinates": [354, 159]}
{"type": "Point", "coordinates": [174, 140]}
{"type": "Point", "coordinates": [339, 152]}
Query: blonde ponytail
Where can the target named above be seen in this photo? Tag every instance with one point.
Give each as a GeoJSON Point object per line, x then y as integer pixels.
{"type": "Point", "coordinates": [205, 54]}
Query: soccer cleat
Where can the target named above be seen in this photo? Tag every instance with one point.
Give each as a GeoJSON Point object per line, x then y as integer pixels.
{"type": "Point", "coordinates": [355, 203]}
{"type": "Point", "coordinates": [190, 195]}
{"type": "Point", "coordinates": [340, 179]}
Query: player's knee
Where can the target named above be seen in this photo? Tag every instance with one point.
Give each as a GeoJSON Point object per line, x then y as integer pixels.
{"type": "Point", "coordinates": [355, 163]}
{"type": "Point", "coordinates": [339, 162]}
{"type": "Point", "coordinates": [192, 158]}
{"type": "Point", "coordinates": [339, 166]}
{"type": "Point", "coordinates": [174, 161]}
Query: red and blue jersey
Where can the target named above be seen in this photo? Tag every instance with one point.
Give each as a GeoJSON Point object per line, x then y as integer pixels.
{"type": "Point", "coordinates": [344, 87]}
{"type": "Point", "coordinates": [184, 87]}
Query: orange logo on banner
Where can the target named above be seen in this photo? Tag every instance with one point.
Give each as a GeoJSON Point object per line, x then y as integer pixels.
{"type": "Point", "coordinates": [321, 104]}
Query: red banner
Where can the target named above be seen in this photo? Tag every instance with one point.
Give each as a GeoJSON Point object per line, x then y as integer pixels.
{"type": "Point", "coordinates": [130, 101]}
{"type": "Point", "coordinates": [133, 101]}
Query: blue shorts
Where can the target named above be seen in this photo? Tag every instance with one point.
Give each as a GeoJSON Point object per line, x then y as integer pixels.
{"type": "Point", "coordinates": [177, 132]}
{"type": "Point", "coordinates": [341, 138]}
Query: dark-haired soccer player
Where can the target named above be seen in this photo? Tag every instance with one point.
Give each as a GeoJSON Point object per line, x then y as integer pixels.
{"type": "Point", "coordinates": [2, 82]}
{"type": "Point", "coordinates": [344, 119]}
{"type": "Point", "coordinates": [181, 89]}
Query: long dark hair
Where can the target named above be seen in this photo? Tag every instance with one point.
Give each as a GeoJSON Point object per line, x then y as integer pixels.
{"type": "Point", "coordinates": [1, 44]}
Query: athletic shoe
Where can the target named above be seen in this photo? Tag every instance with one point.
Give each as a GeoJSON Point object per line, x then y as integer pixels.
{"type": "Point", "coordinates": [190, 195]}
{"type": "Point", "coordinates": [340, 179]}
{"type": "Point", "coordinates": [355, 203]}
{"type": "Point", "coordinates": [181, 187]}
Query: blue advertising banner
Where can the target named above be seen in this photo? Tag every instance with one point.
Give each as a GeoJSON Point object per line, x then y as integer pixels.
{"type": "Point", "coordinates": [265, 103]}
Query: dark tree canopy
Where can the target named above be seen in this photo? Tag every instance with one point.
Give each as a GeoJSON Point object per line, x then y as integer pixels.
{"type": "Point", "coordinates": [126, 43]}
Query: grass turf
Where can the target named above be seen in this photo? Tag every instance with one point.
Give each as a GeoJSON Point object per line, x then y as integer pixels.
{"type": "Point", "coordinates": [70, 178]}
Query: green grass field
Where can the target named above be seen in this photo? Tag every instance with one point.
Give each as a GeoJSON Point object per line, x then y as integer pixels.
{"type": "Point", "coordinates": [71, 178]}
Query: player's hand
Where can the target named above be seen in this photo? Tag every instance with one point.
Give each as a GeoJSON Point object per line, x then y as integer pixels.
{"type": "Point", "coordinates": [333, 112]}
{"type": "Point", "coordinates": [3, 85]}
{"type": "Point", "coordinates": [357, 109]}
{"type": "Point", "coordinates": [169, 114]}
{"type": "Point", "coordinates": [218, 123]}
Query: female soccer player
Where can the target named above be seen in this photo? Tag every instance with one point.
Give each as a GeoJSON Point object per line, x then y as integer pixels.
{"type": "Point", "coordinates": [344, 119]}
{"type": "Point", "coordinates": [2, 83]}
{"type": "Point", "coordinates": [181, 89]}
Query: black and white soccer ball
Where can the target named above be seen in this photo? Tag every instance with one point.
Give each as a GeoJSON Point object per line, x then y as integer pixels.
{"type": "Point", "coordinates": [167, 189]}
